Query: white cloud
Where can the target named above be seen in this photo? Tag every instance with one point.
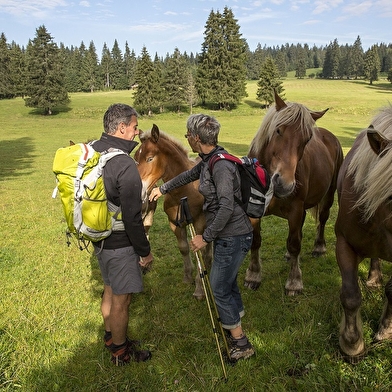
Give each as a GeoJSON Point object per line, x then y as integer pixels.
{"type": "Point", "coordinates": [84, 4]}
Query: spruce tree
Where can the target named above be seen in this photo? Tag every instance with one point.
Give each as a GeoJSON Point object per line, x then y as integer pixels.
{"type": "Point", "coordinates": [106, 67]}
{"type": "Point", "coordinates": [372, 64]}
{"type": "Point", "coordinates": [90, 69]}
{"type": "Point", "coordinates": [6, 87]}
{"type": "Point", "coordinates": [269, 81]}
{"type": "Point", "coordinates": [45, 85]}
{"type": "Point", "coordinates": [175, 80]}
{"type": "Point", "coordinates": [147, 92]}
{"type": "Point", "coordinates": [221, 76]}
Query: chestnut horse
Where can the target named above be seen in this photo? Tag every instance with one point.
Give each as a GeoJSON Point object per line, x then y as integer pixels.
{"type": "Point", "coordinates": [160, 157]}
{"type": "Point", "coordinates": [364, 227]}
{"type": "Point", "coordinates": [303, 161]}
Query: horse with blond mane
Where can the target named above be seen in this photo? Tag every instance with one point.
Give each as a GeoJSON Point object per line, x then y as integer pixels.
{"type": "Point", "coordinates": [303, 161]}
{"type": "Point", "coordinates": [364, 227]}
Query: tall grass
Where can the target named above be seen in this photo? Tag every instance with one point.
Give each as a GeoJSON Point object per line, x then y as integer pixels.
{"type": "Point", "coordinates": [50, 323]}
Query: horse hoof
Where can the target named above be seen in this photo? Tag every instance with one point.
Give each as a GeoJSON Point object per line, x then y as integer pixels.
{"type": "Point", "coordinates": [293, 293]}
{"type": "Point", "coordinates": [252, 285]}
{"type": "Point", "coordinates": [199, 297]}
{"type": "Point", "coordinates": [317, 253]}
{"type": "Point", "coordinates": [352, 359]}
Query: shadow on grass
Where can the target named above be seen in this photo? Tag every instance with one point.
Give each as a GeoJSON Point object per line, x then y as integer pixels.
{"type": "Point", "coordinates": [15, 157]}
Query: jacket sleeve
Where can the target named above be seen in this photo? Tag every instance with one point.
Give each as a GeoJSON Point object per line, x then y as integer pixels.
{"type": "Point", "coordinates": [129, 188]}
{"type": "Point", "coordinates": [182, 179]}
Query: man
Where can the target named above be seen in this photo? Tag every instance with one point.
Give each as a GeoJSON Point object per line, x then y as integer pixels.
{"type": "Point", "coordinates": [124, 254]}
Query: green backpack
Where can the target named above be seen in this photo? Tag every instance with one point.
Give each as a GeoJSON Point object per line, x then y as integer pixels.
{"type": "Point", "coordinates": [78, 170]}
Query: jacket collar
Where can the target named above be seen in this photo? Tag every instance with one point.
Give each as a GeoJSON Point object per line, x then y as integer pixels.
{"type": "Point", "coordinates": [116, 142]}
{"type": "Point", "coordinates": [205, 157]}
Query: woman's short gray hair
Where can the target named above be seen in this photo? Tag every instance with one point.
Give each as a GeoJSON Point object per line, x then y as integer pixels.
{"type": "Point", "coordinates": [207, 127]}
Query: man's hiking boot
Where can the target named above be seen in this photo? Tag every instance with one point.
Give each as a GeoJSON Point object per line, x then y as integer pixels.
{"type": "Point", "coordinates": [126, 353]}
{"type": "Point", "coordinates": [109, 342]}
{"type": "Point", "coordinates": [242, 351]}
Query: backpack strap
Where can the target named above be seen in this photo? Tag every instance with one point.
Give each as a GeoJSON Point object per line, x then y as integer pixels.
{"type": "Point", "coordinates": [228, 157]}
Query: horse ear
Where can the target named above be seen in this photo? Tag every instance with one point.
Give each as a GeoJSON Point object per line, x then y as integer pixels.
{"type": "Point", "coordinates": [279, 103]}
{"type": "Point", "coordinates": [155, 133]}
{"type": "Point", "coordinates": [317, 115]}
{"type": "Point", "coordinates": [377, 141]}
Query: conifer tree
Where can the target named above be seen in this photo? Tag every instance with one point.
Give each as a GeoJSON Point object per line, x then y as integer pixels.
{"type": "Point", "coordinates": [17, 65]}
{"type": "Point", "coordinates": [221, 75]}
{"type": "Point", "coordinates": [268, 82]}
{"type": "Point", "coordinates": [6, 88]}
{"type": "Point", "coordinates": [90, 69]}
{"type": "Point", "coordinates": [175, 80]}
{"type": "Point", "coordinates": [45, 85]}
{"type": "Point", "coordinates": [146, 96]}
{"type": "Point", "coordinates": [372, 64]}
{"type": "Point", "coordinates": [106, 66]}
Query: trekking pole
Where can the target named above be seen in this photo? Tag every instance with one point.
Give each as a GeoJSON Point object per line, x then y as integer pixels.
{"type": "Point", "coordinates": [185, 213]}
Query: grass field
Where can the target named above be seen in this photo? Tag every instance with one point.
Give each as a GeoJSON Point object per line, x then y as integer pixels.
{"type": "Point", "coordinates": [50, 323]}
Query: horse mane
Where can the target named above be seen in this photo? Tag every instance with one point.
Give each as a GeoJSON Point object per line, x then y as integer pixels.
{"type": "Point", "coordinates": [372, 173]}
{"type": "Point", "coordinates": [171, 140]}
{"type": "Point", "coordinates": [293, 112]}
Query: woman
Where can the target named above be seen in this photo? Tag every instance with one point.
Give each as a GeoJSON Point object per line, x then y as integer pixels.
{"type": "Point", "coordinates": [227, 225]}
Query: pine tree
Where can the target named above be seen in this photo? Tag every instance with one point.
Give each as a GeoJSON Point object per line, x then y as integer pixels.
{"type": "Point", "coordinates": [129, 66]}
{"type": "Point", "coordinates": [221, 76]}
{"type": "Point", "coordinates": [6, 88]}
{"type": "Point", "coordinates": [17, 65]}
{"type": "Point", "coordinates": [355, 65]}
{"type": "Point", "coordinates": [45, 86]}
{"type": "Point", "coordinates": [106, 66]}
{"type": "Point", "coordinates": [119, 80]}
{"type": "Point", "coordinates": [90, 69]}
{"type": "Point", "coordinates": [175, 80]}
{"type": "Point", "coordinates": [372, 64]}
{"type": "Point", "coordinates": [269, 81]}
{"type": "Point", "coordinates": [146, 96]}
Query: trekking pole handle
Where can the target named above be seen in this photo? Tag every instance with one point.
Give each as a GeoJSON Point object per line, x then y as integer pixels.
{"type": "Point", "coordinates": [185, 211]}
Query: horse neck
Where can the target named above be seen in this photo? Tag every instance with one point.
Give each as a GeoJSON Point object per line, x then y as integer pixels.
{"type": "Point", "coordinates": [176, 163]}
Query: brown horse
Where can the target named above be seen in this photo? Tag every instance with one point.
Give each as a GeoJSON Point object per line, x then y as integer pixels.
{"type": "Point", "coordinates": [364, 227]}
{"type": "Point", "coordinates": [303, 161]}
{"type": "Point", "coordinates": [160, 157]}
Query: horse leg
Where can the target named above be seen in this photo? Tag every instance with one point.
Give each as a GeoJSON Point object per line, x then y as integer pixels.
{"type": "Point", "coordinates": [385, 328]}
{"type": "Point", "coordinates": [351, 335]}
{"type": "Point", "coordinates": [183, 246]}
{"type": "Point", "coordinates": [374, 279]}
{"type": "Point", "coordinates": [320, 247]}
{"type": "Point", "coordinates": [253, 272]}
{"type": "Point", "coordinates": [148, 216]}
{"type": "Point", "coordinates": [294, 284]}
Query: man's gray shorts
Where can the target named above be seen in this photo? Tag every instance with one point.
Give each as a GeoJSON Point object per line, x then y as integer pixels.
{"type": "Point", "coordinates": [120, 269]}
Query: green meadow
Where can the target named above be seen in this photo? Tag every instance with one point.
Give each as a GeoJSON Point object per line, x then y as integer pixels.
{"type": "Point", "coordinates": [50, 323]}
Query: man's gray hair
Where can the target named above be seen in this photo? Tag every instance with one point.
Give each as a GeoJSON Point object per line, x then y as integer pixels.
{"type": "Point", "coordinates": [116, 114]}
{"type": "Point", "coordinates": [207, 127]}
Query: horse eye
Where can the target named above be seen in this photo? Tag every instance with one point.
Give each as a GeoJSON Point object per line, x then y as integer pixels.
{"type": "Point", "coordinates": [149, 159]}
{"type": "Point", "coordinates": [279, 132]}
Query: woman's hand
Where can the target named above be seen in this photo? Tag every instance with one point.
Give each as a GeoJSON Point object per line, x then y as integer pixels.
{"type": "Point", "coordinates": [155, 194]}
{"type": "Point", "coordinates": [197, 243]}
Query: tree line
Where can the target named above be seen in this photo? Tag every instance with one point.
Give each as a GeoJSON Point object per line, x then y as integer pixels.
{"type": "Point", "coordinates": [43, 73]}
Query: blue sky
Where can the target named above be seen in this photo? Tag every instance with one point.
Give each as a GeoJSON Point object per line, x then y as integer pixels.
{"type": "Point", "coordinates": [163, 25]}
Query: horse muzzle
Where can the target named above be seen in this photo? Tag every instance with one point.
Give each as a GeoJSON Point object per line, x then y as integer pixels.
{"type": "Point", "coordinates": [282, 189]}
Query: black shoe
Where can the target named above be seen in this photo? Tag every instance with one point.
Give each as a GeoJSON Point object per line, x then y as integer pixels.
{"type": "Point", "coordinates": [240, 352]}
{"type": "Point", "coordinates": [109, 342]}
{"type": "Point", "coordinates": [127, 353]}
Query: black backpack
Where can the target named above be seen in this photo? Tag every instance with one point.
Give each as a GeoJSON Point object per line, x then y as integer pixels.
{"type": "Point", "coordinates": [256, 187]}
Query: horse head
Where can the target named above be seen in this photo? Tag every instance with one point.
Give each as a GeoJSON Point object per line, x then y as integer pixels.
{"type": "Point", "coordinates": [280, 142]}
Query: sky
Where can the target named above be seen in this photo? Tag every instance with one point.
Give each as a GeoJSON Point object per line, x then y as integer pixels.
{"type": "Point", "coordinates": [163, 25]}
